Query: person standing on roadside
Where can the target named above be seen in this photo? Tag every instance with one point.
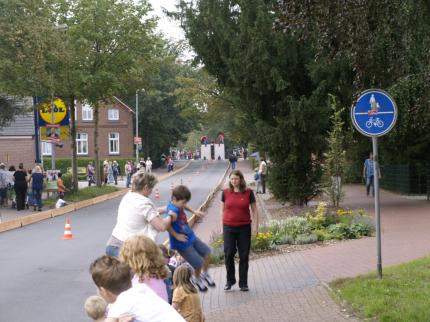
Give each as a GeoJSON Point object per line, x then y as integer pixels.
{"type": "Point", "coordinates": [20, 185]}
{"type": "Point", "coordinates": [3, 185]}
{"type": "Point", "coordinates": [262, 171]}
{"type": "Point", "coordinates": [115, 171]}
{"type": "Point", "coordinates": [128, 171]}
{"type": "Point", "coordinates": [37, 187]}
{"type": "Point", "coordinates": [148, 165]}
{"type": "Point", "coordinates": [90, 174]}
{"type": "Point", "coordinates": [369, 174]}
{"type": "Point", "coordinates": [233, 160]}
{"type": "Point", "coordinates": [237, 203]}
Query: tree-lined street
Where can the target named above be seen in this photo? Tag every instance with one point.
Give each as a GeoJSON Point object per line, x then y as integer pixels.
{"type": "Point", "coordinates": [45, 278]}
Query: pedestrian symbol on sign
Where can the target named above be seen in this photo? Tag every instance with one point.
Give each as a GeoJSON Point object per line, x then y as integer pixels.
{"type": "Point", "coordinates": [374, 114]}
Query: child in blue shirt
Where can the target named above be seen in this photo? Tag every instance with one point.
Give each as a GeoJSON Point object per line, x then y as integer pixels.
{"type": "Point", "coordinates": [183, 239]}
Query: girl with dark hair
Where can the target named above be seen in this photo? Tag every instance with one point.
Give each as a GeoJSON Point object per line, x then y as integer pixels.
{"type": "Point", "coordinates": [237, 203]}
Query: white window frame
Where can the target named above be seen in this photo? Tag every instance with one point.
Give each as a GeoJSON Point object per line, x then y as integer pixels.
{"type": "Point", "coordinates": [82, 143]}
{"type": "Point", "coordinates": [112, 141]}
{"type": "Point", "coordinates": [87, 112]}
{"type": "Point", "coordinates": [113, 114]}
{"type": "Point", "coordinates": [46, 148]}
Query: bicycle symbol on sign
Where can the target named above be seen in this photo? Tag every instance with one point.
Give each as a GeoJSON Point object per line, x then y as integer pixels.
{"type": "Point", "coordinates": [374, 122]}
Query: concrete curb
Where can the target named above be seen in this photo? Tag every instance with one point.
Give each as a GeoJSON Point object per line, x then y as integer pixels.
{"type": "Point", "coordinates": [51, 213]}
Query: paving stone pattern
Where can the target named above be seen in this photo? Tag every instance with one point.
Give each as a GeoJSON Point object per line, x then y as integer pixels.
{"type": "Point", "coordinates": [282, 287]}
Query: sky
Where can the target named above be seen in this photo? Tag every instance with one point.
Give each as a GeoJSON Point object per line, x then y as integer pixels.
{"type": "Point", "coordinates": [167, 26]}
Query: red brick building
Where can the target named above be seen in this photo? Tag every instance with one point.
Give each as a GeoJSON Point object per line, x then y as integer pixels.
{"type": "Point", "coordinates": [17, 141]}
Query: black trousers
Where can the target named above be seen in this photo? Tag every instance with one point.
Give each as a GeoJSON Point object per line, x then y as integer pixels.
{"type": "Point", "coordinates": [237, 239]}
{"type": "Point", "coordinates": [263, 182]}
{"type": "Point", "coordinates": [21, 192]}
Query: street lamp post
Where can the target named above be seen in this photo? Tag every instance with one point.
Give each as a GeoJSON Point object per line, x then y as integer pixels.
{"type": "Point", "coordinates": [137, 122]}
{"type": "Point", "coordinates": [52, 129]}
{"type": "Point", "coordinates": [137, 125]}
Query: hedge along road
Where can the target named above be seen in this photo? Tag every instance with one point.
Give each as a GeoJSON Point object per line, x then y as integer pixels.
{"type": "Point", "coordinates": [45, 278]}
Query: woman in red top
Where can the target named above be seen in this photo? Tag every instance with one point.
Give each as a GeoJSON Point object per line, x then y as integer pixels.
{"type": "Point", "coordinates": [237, 200]}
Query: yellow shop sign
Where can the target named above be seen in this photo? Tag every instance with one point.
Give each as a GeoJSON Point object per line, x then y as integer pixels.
{"type": "Point", "coordinates": [60, 111]}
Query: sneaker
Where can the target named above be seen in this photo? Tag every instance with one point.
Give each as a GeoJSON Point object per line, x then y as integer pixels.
{"type": "Point", "coordinates": [208, 279]}
{"type": "Point", "coordinates": [199, 283]}
{"type": "Point", "coordinates": [244, 289]}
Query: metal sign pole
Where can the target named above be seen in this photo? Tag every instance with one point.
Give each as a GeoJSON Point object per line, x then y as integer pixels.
{"type": "Point", "coordinates": [52, 129]}
{"type": "Point", "coordinates": [374, 114]}
{"type": "Point", "coordinates": [377, 213]}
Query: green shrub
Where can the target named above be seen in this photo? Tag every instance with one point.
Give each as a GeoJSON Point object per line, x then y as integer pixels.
{"type": "Point", "coordinates": [283, 240]}
{"type": "Point", "coordinates": [216, 257]}
{"type": "Point", "coordinates": [305, 239]}
{"type": "Point", "coordinates": [340, 231]}
{"type": "Point", "coordinates": [294, 226]}
{"type": "Point", "coordinates": [67, 179]}
{"type": "Point", "coordinates": [217, 244]}
{"type": "Point", "coordinates": [322, 234]}
{"type": "Point", "coordinates": [359, 230]}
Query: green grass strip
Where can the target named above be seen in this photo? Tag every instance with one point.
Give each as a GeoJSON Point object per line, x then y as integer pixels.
{"type": "Point", "coordinates": [403, 294]}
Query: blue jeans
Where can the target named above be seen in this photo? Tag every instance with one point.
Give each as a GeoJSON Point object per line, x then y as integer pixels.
{"type": "Point", "coordinates": [112, 251]}
{"type": "Point", "coordinates": [195, 253]}
{"type": "Point", "coordinates": [37, 195]}
{"type": "Point", "coordinates": [128, 180]}
{"type": "Point", "coordinates": [370, 184]}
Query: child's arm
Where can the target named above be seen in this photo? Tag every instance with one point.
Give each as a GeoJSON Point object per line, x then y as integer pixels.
{"type": "Point", "coordinates": [162, 210]}
{"type": "Point", "coordinates": [195, 212]}
{"type": "Point", "coordinates": [180, 237]}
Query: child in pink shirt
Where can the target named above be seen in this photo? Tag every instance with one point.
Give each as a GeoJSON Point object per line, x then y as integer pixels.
{"type": "Point", "coordinates": [145, 259]}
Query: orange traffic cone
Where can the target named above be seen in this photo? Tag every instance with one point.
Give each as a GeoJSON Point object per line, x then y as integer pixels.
{"type": "Point", "coordinates": [157, 194]}
{"type": "Point", "coordinates": [68, 230]}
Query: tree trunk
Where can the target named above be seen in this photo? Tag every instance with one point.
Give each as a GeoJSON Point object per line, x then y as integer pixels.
{"type": "Point", "coordinates": [73, 144]}
{"type": "Point", "coordinates": [96, 145]}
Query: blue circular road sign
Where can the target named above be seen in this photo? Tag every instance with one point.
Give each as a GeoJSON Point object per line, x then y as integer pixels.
{"type": "Point", "coordinates": [375, 113]}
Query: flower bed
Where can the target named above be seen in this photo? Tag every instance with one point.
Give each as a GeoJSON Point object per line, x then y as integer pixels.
{"type": "Point", "coordinates": [316, 225]}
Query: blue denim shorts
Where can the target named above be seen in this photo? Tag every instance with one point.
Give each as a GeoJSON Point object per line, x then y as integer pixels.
{"type": "Point", "coordinates": [195, 252]}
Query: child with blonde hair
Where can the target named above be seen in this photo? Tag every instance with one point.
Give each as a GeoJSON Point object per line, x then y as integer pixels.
{"type": "Point", "coordinates": [186, 299]}
{"type": "Point", "coordinates": [145, 259]}
{"type": "Point", "coordinates": [95, 306]}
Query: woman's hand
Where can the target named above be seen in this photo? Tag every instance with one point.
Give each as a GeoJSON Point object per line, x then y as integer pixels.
{"type": "Point", "coordinates": [181, 237]}
{"type": "Point", "coordinates": [199, 214]}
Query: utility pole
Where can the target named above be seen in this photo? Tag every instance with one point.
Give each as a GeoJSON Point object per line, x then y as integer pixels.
{"type": "Point", "coordinates": [137, 125]}
{"type": "Point", "coordinates": [53, 143]}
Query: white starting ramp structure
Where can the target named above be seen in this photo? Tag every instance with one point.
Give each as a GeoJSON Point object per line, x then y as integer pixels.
{"type": "Point", "coordinates": [212, 151]}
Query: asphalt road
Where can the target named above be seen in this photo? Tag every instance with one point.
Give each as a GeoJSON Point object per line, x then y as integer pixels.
{"type": "Point", "coordinates": [45, 278]}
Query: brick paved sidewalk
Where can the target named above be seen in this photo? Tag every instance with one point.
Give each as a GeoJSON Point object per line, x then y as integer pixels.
{"type": "Point", "coordinates": [282, 287]}
{"type": "Point", "coordinates": [405, 226]}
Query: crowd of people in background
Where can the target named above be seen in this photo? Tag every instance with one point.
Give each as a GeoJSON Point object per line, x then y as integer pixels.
{"type": "Point", "coordinates": [22, 189]}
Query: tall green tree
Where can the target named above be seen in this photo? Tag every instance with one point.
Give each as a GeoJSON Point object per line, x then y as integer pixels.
{"type": "Point", "coordinates": [112, 37]}
{"type": "Point", "coordinates": [268, 75]}
{"type": "Point", "coordinates": [382, 44]}
{"type": "Point", "coordinates": [163, 121]}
